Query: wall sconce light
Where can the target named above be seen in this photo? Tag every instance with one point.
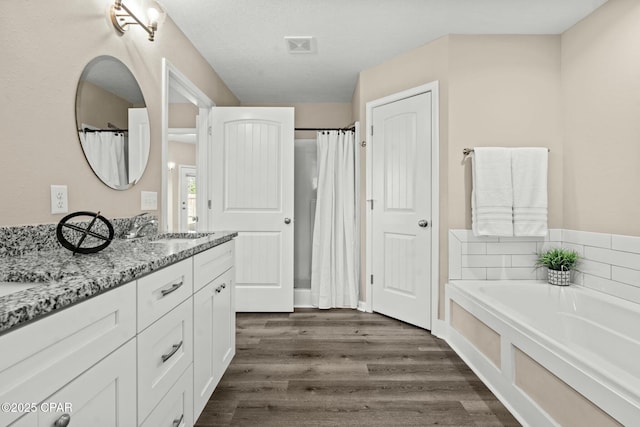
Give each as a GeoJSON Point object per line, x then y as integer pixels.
{"type": "Point", "coordinates": [171, 166]}
{"type": "Point", "coordinates": [122, 17]}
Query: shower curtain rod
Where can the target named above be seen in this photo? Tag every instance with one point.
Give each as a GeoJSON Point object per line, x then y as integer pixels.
{"type": "Point", "coordinates": [352, 126]}
{"type": "Point", "coordinates": [103, 130]}
{"type": "Point", "coordinates": [321, 129]}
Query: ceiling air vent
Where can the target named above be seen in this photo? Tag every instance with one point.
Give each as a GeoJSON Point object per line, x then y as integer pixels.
{"type": "Point", "coordinates": [306, 44]}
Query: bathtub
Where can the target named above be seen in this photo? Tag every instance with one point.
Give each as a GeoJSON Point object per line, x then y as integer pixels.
{"type": "Point", "coordinates": [553, 355]}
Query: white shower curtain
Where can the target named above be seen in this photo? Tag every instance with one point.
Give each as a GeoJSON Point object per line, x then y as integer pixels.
{"type": "Point", "coordinates": [105, 152]}
{"type": "Point", "coordinates": [334, 264]}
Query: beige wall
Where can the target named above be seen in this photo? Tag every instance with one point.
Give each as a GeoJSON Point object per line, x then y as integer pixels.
{"type": "Point", "coordinates": [601, 107]}
{"type": "Point", "coordinates": [41, 65]}
{"type": "Point", "coordinates": [417, 67]}
{"type": "Point", "coordinates": [503, 91]}
{"type": "Point", "coordinates": [182, 115]}
{"type": "Point", "coordinates": [494, 90]}
{"type": "Point", "coordinates": [98, 107]}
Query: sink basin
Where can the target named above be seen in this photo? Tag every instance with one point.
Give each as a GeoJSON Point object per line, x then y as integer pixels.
{"type": "Point", "coordinates": [7, 288]}
{"type": "Point", "coordinates": [180, 237]}
{"type": "Point", "coordinates": [173, 241]}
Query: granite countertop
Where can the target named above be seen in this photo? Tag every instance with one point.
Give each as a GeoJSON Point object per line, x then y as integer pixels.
{"type": "Point", "coordinates": [60, 279]}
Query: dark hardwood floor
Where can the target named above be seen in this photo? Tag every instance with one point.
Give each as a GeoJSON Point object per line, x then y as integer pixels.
{"type": "Point", "coordinates": [346, 368]}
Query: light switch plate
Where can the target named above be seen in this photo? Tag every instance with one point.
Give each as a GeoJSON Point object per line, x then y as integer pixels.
{"type": "Point", "coordinates": [59, 199]}
{"type": "Point", "coordinates": [148, 200]}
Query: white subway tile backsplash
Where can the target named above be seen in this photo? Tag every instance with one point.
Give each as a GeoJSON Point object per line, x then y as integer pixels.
{"type": "Point", "coordinates": [609, 256]}
{"type": "Point", "coordinates": [486, 261]}
{"type": "Point", "coordinates": [625, 243]}
{"type": "Point", "coordinates": [522, 239]}
{"type": "Point", "coordinates": [524, 261]}
{"type": "Point", "coordinates": [626, 275]}
{"type": "Point", "coordinates": [579, 249]}
{"type": "Point", "coordinates": [527, 248]}
{"type": "Point", "coordinates": [555, 235]}
{"type": "Point", "coordinates": [455, 256]}
{"type": "Point", "coordinates": [587, 238]}
{"type": "Point", "coordinates": [610, 263]}
{"type": "Point", "coordinates": [611, 287]}
{"type": "Point", "coordinates": [467, 236]}
{"type": "Point", "coordinates": [511, 274]}
{"type": "Point", "coordinates": [577, 277]}
{"type": "Point", "coordinates": [545, 246]}
{"type": "Point", "coordinates": [474, 248]}
{"type": "Point", "coordinates": [595, 268]}
{"type": "Point", "coordinates": [474, 274]}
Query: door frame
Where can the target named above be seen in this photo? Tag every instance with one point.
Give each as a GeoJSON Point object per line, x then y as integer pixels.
{"type": "Point", "coordinates": [175, 79]}
{"type": "Point", "coordinates": [183, 171]}
{"type": "Point", "coordinates": [432, 87]}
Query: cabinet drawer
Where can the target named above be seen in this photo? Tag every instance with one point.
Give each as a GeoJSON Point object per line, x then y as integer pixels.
{"type": "Point", "coordinates": [41, 357]}
{"type": "Point", "coordinates": [165, 350]}
{"type": "Point", "coordinates": [161, 291]}
{"type": "Point", "coordinates": [210, 264]}
{"type": "Point", "coordinates": [104, 396]}
{"type": "Point", "coordinates": [175, 408]}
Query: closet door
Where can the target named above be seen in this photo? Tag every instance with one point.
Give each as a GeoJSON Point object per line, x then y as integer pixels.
{"type": "Point", "coordinates": [401, 212]}
{"type": "Point", "coordinates": [252, 193]}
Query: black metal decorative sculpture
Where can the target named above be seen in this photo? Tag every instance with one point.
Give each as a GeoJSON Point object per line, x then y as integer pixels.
{"type": "Point", "coordinates": [95, 237]}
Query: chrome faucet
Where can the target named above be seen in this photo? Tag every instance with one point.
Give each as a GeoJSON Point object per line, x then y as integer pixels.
{"type": "Point", "coordinates": [135, 228]}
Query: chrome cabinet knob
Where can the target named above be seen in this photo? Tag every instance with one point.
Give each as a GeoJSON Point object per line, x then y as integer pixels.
{"type": "Point", "coordinates": [423, 223]}
{"type": "Point", "coordinates": [287, 220]}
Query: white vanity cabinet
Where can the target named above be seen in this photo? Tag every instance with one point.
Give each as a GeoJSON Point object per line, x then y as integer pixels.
{"type": "Point", "coordinates": [104, 396]}
{"type": "Point", "coordinates": [214, 336]}
{"type": "Point", "coordinates": [129, 356]}
{"type": "Point", "coordinates": [165, 351]}
{"type": "Point", "coordinates": [176, 407]}
{"type": "Point", "coordinates": [162, 291]}
{"type": "Point", "coordinates": [47, 357]}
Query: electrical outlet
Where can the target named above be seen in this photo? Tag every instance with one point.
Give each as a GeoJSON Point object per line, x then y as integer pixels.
{"type": "Point", "coordinates": [59, 200]}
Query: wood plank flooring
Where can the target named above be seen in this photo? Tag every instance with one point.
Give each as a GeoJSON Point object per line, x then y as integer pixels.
{"type": "Point", "coordinates": [346, 368]}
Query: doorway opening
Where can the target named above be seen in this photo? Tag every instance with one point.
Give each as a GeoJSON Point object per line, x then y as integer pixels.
{"type": "Point", "coordinates": [185, 124]}
{"type": "Point", "coordinates": [187, 189]}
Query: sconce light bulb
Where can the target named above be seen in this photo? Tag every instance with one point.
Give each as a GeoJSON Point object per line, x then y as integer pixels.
{"type": "Point", "coordinates": [171, 165]}
{"type": "Point", "coordinates": [153, 15]}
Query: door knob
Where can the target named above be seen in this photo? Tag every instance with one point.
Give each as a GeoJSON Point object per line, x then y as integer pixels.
{"type": "Point", "coordinates": [423, 223]}
{"type": "Point", "coordinates": [287, 220]}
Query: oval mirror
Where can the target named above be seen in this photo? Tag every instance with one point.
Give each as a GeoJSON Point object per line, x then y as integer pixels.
{"type": "Point", "coordinates": [112, 122]}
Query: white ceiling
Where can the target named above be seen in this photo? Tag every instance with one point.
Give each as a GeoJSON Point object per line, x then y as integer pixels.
{"type": "Point", "coordinates": [244, 42]}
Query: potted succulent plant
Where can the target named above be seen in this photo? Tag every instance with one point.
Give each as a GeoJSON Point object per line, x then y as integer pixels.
{"type": "Point", "coordinates": [559, 263]}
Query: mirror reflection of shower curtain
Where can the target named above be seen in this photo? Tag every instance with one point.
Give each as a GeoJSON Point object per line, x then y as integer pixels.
{"type": "Point", "coordinates": [334, 259]}
{"type": "Point", "coordinates": [106, 154]}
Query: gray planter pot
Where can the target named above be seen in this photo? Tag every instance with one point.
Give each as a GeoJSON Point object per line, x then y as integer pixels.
{"type": "Point", "coordinates": [559, 278]}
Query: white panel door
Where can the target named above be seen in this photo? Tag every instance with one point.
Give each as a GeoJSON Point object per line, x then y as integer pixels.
{"type": "Point", "coordinates": [139, 142]}
{"type": "Point", "coordinates": [252, 193]}
{"type": "Point", "coordinates": [401, 214]}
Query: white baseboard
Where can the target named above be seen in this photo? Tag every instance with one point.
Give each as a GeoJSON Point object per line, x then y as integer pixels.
{"type": "Point", "coordinates": [302, 298]}
{"type": "Point", "coordinates": [362, 306]}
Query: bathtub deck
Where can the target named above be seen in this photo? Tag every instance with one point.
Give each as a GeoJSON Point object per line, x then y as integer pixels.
{"type": "Point", "coordinates": [346, 368]}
